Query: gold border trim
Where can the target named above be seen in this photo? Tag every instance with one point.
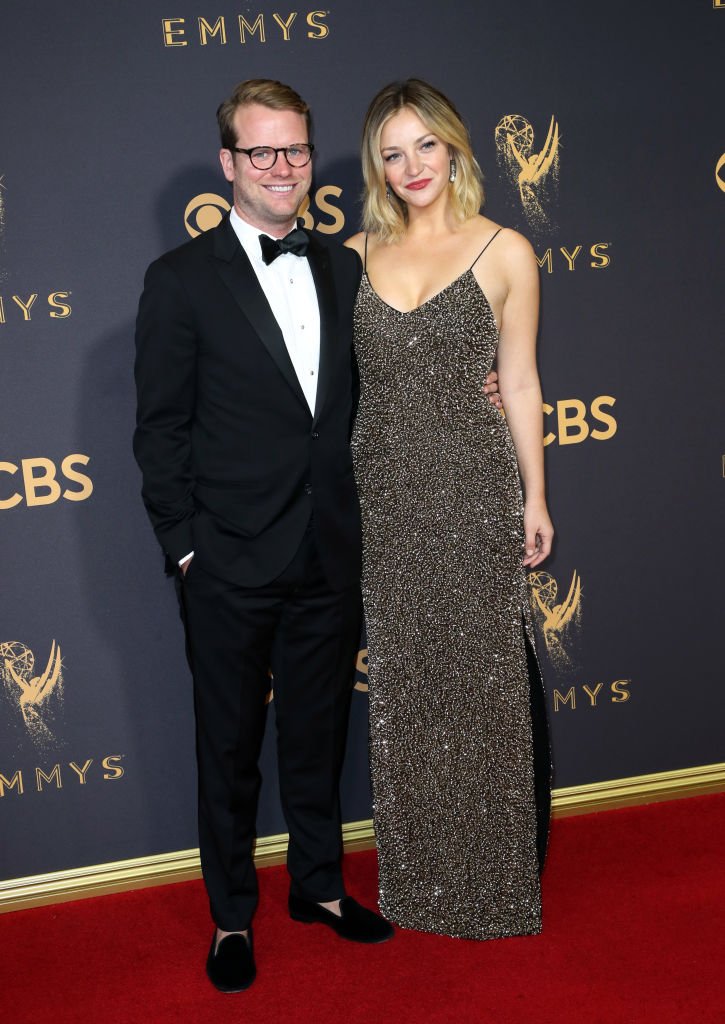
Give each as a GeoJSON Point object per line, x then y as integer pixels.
{"type": "Point", "coordinates": [640, 789]}
{"type": "Point", "coordinates": [183, 865]}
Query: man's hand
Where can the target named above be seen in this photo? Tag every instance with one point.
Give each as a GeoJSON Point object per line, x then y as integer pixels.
{"type": "Point", "coordinates": [490, 389]}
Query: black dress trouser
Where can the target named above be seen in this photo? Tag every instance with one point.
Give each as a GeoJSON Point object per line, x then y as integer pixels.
{"type": "Point", "coordinates": [307, 634]}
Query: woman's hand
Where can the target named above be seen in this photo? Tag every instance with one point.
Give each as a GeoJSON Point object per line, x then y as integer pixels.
{"type": "Point", "coordinates": [490, 390]}
{"type": "Point", "coordinates": [538, 533]}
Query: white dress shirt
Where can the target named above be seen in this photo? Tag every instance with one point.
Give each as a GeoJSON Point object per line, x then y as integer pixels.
{"type": "Point", "coordinates": [290, 291]}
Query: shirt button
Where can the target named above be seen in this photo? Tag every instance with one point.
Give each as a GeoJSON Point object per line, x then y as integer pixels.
{"type": "Point", "coordinates": [308, 488]}
{"type": "Point", "coordinates": [302, 327]}
{"type": "Point", "coordinates": [315, 434]}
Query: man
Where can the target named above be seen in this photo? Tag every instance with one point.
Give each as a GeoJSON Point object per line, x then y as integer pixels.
{"type": "Point", "coordinates": [245, 385]}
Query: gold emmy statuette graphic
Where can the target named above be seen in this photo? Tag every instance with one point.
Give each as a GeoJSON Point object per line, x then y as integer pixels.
{"type": "Point", "coordinates": [556, 619]}
{"type": "Point", "coordinates": [719, 175]}
{"type": "Point", "coordinates": [203, 212]}
{"type": "Point", "coordinates": [534, 174]}
{"type": "Point", "coordinates": [30, 693]}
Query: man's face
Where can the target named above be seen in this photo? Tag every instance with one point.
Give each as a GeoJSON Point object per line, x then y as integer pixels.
{"type": "Point", "coordinates": [267, 199]}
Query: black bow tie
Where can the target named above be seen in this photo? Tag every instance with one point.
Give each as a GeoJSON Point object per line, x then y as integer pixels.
{"type": "Point", "coordinates": [296, 242]}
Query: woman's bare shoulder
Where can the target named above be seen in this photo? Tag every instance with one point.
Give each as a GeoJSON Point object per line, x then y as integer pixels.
{"type": "Point", "coordinates": [509, 255]}
{"type": "Point", "coordinates": [356, 242]}
{"type": "Point", "coordinates": [513, 246]}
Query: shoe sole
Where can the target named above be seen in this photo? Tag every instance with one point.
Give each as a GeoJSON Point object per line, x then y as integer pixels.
{"type": "Point", "coordinates": [229, 991]}
{"type": "Point", "coordinates": [327, 924]}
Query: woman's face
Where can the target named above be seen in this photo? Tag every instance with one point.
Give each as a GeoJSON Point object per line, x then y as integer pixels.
{"type": "Point", "coordinates": [416, 162]}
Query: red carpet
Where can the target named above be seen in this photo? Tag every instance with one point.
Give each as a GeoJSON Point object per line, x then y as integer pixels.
{"type": "Point", "coordinates": [633, 934]}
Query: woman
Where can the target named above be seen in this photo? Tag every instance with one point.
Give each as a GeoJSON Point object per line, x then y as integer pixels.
{"type": "Point", "coordinates": [451, 669]}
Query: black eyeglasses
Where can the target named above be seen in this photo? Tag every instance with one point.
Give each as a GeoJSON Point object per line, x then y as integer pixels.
{"type": "Point", "coordinates": [265, 157]}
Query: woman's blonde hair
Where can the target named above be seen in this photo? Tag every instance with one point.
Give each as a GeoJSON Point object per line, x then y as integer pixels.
{"type": "Point", "coordinates": [384, 214]}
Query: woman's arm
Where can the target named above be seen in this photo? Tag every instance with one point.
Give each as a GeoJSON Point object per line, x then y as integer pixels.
{"type": "Point", "coordinates": [521, 391]}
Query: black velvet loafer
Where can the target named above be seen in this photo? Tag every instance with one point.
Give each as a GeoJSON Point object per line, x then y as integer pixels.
{"type": "Point", "coordinates": [230, 966]}
{"type": "Point", "coordinates": [356, 923]}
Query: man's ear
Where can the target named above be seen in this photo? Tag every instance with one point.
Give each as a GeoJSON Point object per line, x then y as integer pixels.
{"type": "Point", "coordinates": [226, 159]}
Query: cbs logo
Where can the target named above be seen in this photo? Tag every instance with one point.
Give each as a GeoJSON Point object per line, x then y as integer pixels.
{"type": "Point", "coordinates": [40, 484]}
{"type": "Point", "coordinates": [574, 421]}
{"type": "Point", "coordinates": [203, 212]}
{"type": "Point", "coordinates": [206, 210]}
{"type": "Point", "coordinates": [720, 169]}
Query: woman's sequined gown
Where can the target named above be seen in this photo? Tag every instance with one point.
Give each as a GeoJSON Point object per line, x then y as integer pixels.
{"type": "Point", "coordinates": [445, 604]}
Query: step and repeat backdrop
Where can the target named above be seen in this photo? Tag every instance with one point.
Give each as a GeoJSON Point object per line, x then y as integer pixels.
{"type": "Point", "coordinates": [600, 131]}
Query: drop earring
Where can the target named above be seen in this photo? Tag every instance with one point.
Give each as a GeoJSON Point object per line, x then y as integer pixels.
{"type": "Point", "coordinates": [453, 170]}
{"type": "Point", "coordinates": [388, 193]}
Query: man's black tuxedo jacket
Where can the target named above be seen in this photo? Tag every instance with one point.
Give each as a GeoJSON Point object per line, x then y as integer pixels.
{"type": "Point", "coordinates": [233, 461]}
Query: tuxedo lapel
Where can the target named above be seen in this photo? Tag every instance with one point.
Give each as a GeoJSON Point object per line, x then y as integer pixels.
{"type": "Point", "coordinates": [237, 273]}
{"type": "Point", "coordinates": [319, 261]}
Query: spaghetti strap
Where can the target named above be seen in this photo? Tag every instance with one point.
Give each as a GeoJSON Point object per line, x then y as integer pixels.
{"type": "Point", "coordinates": [365, 257]}
{"type": "Point", "coordinates": [477, 257]}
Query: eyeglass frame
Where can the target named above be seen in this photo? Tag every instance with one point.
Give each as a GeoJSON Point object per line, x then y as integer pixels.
{"type": "Point", "coordinates": [276, 150]}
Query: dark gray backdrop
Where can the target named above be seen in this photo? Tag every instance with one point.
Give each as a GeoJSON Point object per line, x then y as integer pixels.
{"type": "Point", "coordinates": [107, 135]}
